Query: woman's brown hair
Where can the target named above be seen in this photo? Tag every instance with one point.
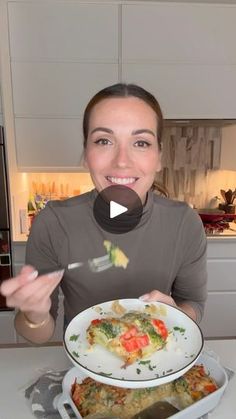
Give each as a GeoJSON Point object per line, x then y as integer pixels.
{"type": "Point", "coordinates": [123, 90]}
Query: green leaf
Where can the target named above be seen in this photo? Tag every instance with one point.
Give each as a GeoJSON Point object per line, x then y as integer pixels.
{"type": "Point", "coordinates": [74, 338]}
{"type": "Point", "coordinates": [179, 329]}
{"type": "Point", "coordinates": [145, 362]}
{"type": "Point", "coordinates": [75, 354]}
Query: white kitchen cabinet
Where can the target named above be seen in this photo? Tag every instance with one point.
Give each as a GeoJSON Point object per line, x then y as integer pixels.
{"type": "Point", "coordinates": [18, 256]}
{"type": "Point", "coordinates": [52, 89]}
{"type": "Point", "coordinates": [228, 147]}
{"type": "Point", "coordinates": [42, 144]}
{"type": "Point", "coordinates": [187, 91]}
{"type": "Point", "coordinates": [7, 330]}
{"type": "Point", "coordinates": [220, 312]}
{"type": "Point", "coordinates": [59, 54]}
{"type": "Point", "coordinates": [178, 33]}
{"type": "Point", "coordinates": [68, 31]}
{"type": "Point", "coordinates": [56, 54]}
{"type": "Point", "coordinates": [185, 54]}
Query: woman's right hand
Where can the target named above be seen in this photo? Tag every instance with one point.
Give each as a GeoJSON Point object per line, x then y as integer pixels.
{"type": "Point", "coordinates": [31, 293]}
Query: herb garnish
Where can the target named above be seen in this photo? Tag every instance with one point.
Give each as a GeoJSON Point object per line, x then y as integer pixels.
{"type": "Point", "coordinates": [75, 354]}
{"type": "Point", "coordinates": [74, 338]}
{"type": "Point", "coordinates": [145, 362]}
{"type": "Point", "coordinates": [179, 329]}
{"type": "Point", "coordinates": [108, 330]}
{"type": "Point", "coordinates": [138, 370]}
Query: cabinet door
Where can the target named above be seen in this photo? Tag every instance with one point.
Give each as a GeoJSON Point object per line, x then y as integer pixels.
{"type": "Point", "coordinates": [43, 144]}
{"type": "Point", "coordinates": [18, 257]}
{"type": "Point", "coordinates": [197, 91]}
{"type": "Point", "coordinates": [63, 31]}
{"type": "Point", "coordinates": [183, 53]}
{"type": "Point", "coordinates": [220, 315]}
{"type": "Point", "coordinates": [7, 334]}
{"type": "Point", "coordinates": [178, 33]}
{"type": "Point", "coordinates": [228, 144]}
{"type": "Point", "coordinates": [221, 274]}
{"type": "Point", "coordinates": [57, 89]}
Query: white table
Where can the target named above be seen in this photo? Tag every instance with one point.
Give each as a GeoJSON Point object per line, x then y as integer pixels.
{"type": "Point", "coordinates": [20, 367]}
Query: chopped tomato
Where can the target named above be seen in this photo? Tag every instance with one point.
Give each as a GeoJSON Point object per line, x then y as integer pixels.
{"type": "Point", "coordinates": [143, 340]}
{"type": "Point", "coordinates": [210, 388]}
{"type": "Point", "coordinates": [135, 343]}
{"type": "Point", "coordinates": [201, 370]}
{"type": "Point", "coordinates": [131, 332]}
{"type": "Point", "coordinates": [96, 321]}
{"type": "Point", "coordinates": [160, 326]}
{"type": "Point", "coordinates": [130, 345]}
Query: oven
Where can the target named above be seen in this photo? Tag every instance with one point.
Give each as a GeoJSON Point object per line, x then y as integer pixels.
{"type": "Point", "coordinates": [5, 231]}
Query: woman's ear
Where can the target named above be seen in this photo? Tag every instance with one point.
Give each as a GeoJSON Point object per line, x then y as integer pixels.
{"type": "Point", "coordinates": [159, 166]}
{"type": "Point", "coordinates": [83, 161]}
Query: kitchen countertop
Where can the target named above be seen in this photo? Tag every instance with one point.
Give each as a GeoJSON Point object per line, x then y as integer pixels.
{"type": "Point", "coordinates": [20, 367]}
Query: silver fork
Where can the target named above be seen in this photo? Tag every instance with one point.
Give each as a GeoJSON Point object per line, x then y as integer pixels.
{"type": "Point", "coordinates": [100, 264]}
{"type": "Point", "coordinates": [95, 265]}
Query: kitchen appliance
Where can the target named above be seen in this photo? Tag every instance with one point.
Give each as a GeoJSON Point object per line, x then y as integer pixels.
{"type": "Point", "coordinates": [5, 232]}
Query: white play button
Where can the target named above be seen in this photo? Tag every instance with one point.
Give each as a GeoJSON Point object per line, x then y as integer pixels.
{"type": "Point", "coordinates": [116, 209]}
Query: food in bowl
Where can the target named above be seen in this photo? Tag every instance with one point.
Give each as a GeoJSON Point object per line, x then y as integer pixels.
{"type": "Point", "coordinates": [91, 396]}
{"type": "Point", "coordinates": [134, 336]}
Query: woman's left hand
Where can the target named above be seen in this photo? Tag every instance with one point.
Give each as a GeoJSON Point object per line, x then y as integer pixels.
{"type": "Point", "coordinates": [167, 299]}
{"type": "Point", "coordinates": [158, 296]}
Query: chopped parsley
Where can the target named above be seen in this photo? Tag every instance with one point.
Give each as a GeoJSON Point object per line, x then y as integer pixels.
{"type": "Point", "coordinates": [108, 330]}
{"type": "Point", "coordinates": [75, 354]}
{"type": "Point", "coordinates": [74, 338]}
{"type": "Point", "coordinates": [151, 367]}
{"type": "Point", "coordinates": [179, 329]}
{"type": "Point", "coordinates": [138, 371]}
{"type": "Point", "coordinates": [144, 362]}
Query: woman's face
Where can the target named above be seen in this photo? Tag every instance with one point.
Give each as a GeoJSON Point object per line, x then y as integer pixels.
{"type": "Point", "coordinates": [122, 146]}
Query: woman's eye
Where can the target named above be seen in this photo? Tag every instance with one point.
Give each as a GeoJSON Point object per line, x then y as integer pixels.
{"type": "Point", "coordinates": [142, 143]}
{"type": "Point", "coordinates": [102, 141]}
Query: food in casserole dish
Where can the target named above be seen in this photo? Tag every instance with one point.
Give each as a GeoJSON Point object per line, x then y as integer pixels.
{"type": "Point", "coordinates": [134, 336]}
{"type": "Point", "coordinates": [91, 397]}
{"type": "Point", "coordinates": [194, 385]}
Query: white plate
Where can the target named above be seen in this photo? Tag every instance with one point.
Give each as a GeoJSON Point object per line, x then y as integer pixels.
{"type": "Point", "coordinates": [196, 410]}
{"type": "Point", "coordinates": [181, 352]}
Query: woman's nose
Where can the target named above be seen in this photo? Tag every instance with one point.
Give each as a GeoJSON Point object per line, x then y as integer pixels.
{"type": "Point", "coordinates": [122, 157]}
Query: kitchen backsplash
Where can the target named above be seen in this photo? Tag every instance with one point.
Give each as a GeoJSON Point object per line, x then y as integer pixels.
{"type": "Point", "coordinates": [188, 154]}
{"type": "Point", "coordinates": [190, 163]}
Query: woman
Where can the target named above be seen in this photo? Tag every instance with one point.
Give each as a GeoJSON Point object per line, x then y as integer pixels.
{"type": "Point", "coordinates": [166, 251]}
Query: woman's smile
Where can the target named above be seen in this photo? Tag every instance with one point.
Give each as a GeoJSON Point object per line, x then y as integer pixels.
{"type": "Point", "coordinates": [124, 181]}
